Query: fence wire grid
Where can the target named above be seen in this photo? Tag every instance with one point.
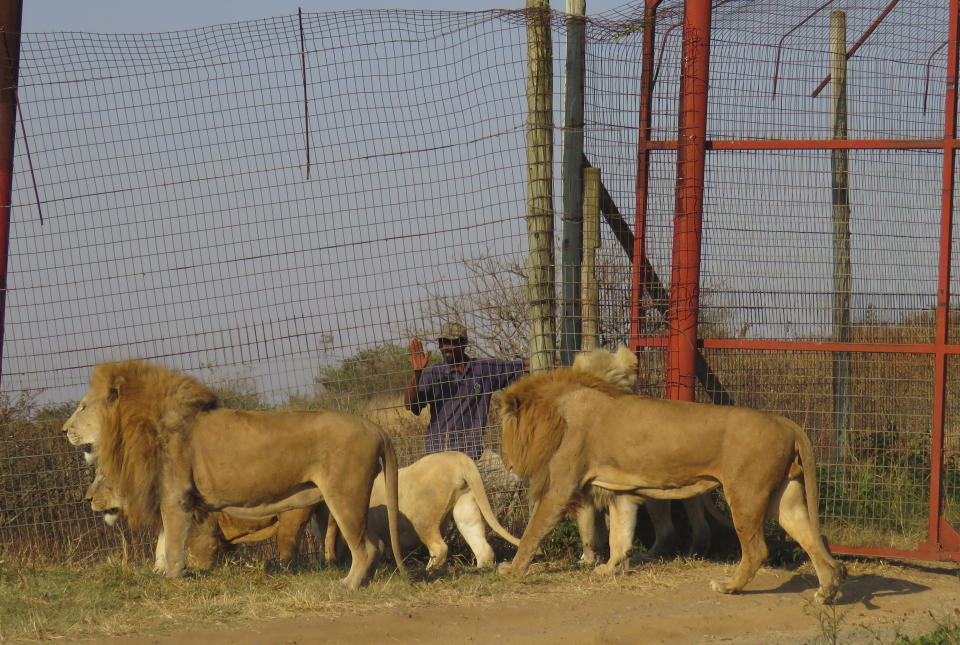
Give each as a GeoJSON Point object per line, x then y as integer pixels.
{"type": "Point", "coordinates": [278, 206]}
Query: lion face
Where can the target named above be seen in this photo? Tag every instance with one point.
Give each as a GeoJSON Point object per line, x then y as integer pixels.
{"type": "Point", "coordinates": [83, 426]}
{"type": "Point", "coordinates": [105, 498]}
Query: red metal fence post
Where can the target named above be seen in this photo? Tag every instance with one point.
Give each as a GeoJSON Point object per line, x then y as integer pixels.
{"type": "Point", "coordinates": [688, 210]}
{"type": "Point", "coordinates": [10, 12]}
{"type": "Point", "coordinates": [640, 273]}
{"type": "Point", "coordinates": [940, 534]}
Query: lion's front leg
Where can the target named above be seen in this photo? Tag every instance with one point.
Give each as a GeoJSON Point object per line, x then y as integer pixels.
{"type": "Point", "coordinates": [160, 555]}
{"type": "Point", "coordinates": [623, 524]}
{"type": "Point", "coordinates": [588, 525]}
{"type": "Point", "coordinates": [546, 513]}
{"type": "Point", "coordinates": [176, 527]}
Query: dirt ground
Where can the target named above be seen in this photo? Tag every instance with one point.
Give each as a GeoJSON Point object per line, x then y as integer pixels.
{"type": "Point", "coordinates": [879, 600]}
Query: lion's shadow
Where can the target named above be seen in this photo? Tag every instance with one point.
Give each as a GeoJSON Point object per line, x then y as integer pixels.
{"type": "Point", "coordinates": [858, 589]}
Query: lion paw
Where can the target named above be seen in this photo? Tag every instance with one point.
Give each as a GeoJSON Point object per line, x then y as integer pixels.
{"type": "Point", "coordinates": [506, 569]}
{"type": "Point", "coordinates": [826, 595]}
{"type": "Point", "coordinates": [723, 586]}
{"type": "Point", "coordinates": [174, 572]}
{"type": "Point", "coordinates": [610, 568]}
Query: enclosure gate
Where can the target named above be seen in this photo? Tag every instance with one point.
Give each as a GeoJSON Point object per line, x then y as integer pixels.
{"type": "Point", "coordinates": [685, 364]}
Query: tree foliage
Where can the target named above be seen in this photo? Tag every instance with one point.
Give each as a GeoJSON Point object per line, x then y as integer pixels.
{"type": "Point", "coordinates": [378, 370]}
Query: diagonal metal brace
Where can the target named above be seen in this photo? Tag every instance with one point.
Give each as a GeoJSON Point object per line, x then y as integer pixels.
{"type": "Point", "coordinates": [621, 230]}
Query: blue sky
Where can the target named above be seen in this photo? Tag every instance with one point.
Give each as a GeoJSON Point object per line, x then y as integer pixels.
{"type": "Point", "coordinates": [130, 16]}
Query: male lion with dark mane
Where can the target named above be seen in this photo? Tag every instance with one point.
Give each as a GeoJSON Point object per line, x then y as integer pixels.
{"type": "Point", "coordinates": [173, 455]}
{"type": "Point", "coordinates": [568, 430]}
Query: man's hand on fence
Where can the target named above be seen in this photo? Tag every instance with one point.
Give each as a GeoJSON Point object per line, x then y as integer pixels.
{"type": "Point", "coordinates": [418, 359]}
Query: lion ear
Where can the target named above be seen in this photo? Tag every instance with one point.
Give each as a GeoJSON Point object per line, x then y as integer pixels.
{"type": "Point", "coordinates": [627, 358]}
{"type": "Point", "coordinates": [510, 405]}
{"type": "Point", "coordinates": [114, 393]}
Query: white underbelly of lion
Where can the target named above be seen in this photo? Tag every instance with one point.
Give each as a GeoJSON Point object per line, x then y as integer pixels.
{"type": "Point", "coordinates": [567, 430]}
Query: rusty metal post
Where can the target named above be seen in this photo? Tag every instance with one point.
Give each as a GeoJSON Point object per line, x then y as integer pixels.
{"type": "Point", "coordinates": [688, 209]}
{"type": "Point", "coordinates": [10, 13]}
{"type": "Point", "coordinates": [641, 273]}
{"type": "Point", "coordinates": [940, 534]}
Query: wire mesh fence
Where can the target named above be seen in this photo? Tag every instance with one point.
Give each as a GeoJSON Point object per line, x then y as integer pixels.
{"type": "Point", "coordinates": [278, 206]}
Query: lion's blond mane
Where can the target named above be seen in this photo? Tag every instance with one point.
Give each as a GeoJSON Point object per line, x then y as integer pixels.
{"type": "Point", "coordinates": [528, 446]}
{"type": "Point", "coordinates": [146, 406]}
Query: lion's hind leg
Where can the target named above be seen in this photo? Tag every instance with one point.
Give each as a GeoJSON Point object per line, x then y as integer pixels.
{"type": "Point", "coordinates": [696, 514]}
{"type": "Point", "coordinates": [664, 530]}
{"type": "Point", "coordinates": [290, 529]}
{"type": "Point", "coordinates": [789, 508]}
{"type": "Point", "coordinates": [352, 524]}
{"type": "Point", "coordinates": [430, 534]}
{"type": "Point", "coordinates": [470, 523]}
{"type": "Point", "coordinates": [748, 509]}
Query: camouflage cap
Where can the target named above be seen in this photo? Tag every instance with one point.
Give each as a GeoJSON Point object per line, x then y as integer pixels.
{"type": "Point", "coordinates": [452, 331]}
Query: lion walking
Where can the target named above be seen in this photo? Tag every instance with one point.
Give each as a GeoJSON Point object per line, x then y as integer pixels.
{"type": "Point", "coordinates": [174, 455]}
{"type": "Point", "coordinates": [567, 430]}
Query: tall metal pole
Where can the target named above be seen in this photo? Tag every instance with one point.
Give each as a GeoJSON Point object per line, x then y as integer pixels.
{"type": "Point", "coordinates": [688, 209]}
{"type": "Point", "coordinates": [571, 246]}
{"type": "Point", "coordinates": [10, 13]}
{"type": "Point", "coordinates": [641, 271]}
{"type": "Point", "coordinates": [941, 535]}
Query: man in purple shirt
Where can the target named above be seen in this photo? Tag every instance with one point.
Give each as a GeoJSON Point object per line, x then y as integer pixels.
{"type": "Point", "coordinates": [457, 390]}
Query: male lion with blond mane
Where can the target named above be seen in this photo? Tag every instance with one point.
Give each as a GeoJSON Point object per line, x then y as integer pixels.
{"type": "Point", "coordinates": [619, 368]}
{"type": "Point", "coordinates": [567, 430]}
{"type": "Point", "coordinates": [433, 490]}
{"type": "Point", "coordinates": [173, 455]}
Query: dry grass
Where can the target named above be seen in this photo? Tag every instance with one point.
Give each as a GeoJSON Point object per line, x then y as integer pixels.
{"type": "Point", "coordinates": [47, 601]}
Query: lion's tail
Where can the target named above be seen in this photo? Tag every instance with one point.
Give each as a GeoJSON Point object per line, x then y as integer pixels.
{"type": "Point", "coordinates": [472, 477]}
{"type": "Point", "coordinates": [391, 488]}
{"type": "Point", "coordinates": [809, 469]}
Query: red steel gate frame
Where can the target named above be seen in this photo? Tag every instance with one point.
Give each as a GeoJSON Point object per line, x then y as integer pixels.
{"type": "Point", "coordinates": [682, 342]}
